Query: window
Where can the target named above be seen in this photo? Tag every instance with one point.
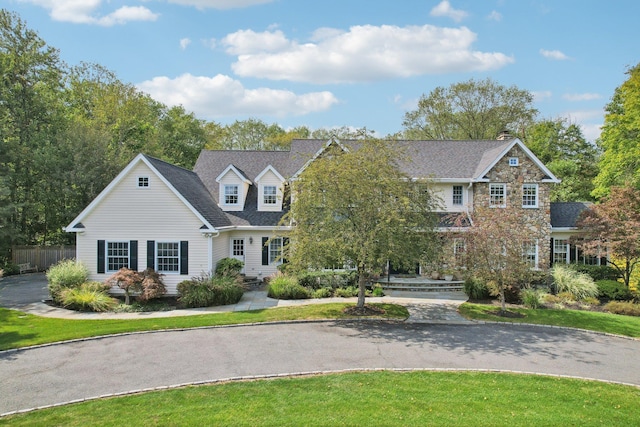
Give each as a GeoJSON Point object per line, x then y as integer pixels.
{"type": "Point", "coordinates": [457, 194]}
{"type": "Point", "coordinates": [143, 181]}
{"type": "Point", "coordinates": [459, 249]}
{"type": "Point", "coordinates": [117, 255]}
{"type": "Point", "coordinates": [513, 161]}
{"type": "Point", "coordinates": [230, 194]}
{"type": "Point", "coordinates": [168, 257]}
{"type": "Point", "coordinates": [560, 251]}
{"type": "Point", "coordinates": [530, 195]}
{"type": "Point", "coordinates": [275, 250]}
{"type": "Point", "coordinates": [530, 253]}
{"type": "Point", "coordinates": [497, 193]}
{"type": "Point", "coordinates": [237, 249]}
{"type": "Point", "coordinates": [269, 195]}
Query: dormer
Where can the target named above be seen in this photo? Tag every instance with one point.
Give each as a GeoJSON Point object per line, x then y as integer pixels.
{"type": "Point", "coordinates": [233, 188]}
{"type": "Point", "coordinates": [270, 190]}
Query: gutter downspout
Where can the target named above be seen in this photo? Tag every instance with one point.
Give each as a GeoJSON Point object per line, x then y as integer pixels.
{"type": "Point", "coordinates": [210, 237]}
{"type": "Point", "coordinates": [466, 208]}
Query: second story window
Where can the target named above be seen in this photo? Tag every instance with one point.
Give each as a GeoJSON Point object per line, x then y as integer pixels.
{"type": "Point", "coordinates": [230, 194]}
{"type": "Point", "coordinates": [269, 194]}
{"type": "Point", "coordinates": [497, 195]}
{"type": "Point", "coordinates": [457, 194]}
{"type": "Point", "coordinates": [530, 195]}
{"type": "Point", "coordinates": [143, 181]}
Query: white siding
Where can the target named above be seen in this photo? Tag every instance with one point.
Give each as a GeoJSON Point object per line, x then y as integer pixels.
{"type": "Point", "coordinates": [445, 192]}
{"type": "Point", "coordinates": [253, 251]}
{"type": "Point", "coordinates": [269, 178]}
{"type": "Point", "coordinates": [152, 213]}
{"type": "Point", "coordinates": [230, 178]}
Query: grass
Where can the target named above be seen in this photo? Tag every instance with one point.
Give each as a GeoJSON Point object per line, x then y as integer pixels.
{"type": "Point", "coordinates": [18, 329]}
{"type": "Point", "coordinates": [594, 321]}
{"type": "Point", "coordinates": [363, 398]}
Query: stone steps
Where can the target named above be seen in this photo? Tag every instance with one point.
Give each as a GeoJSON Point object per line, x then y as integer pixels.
{"type": "Point", "coordinates": [422, 285]}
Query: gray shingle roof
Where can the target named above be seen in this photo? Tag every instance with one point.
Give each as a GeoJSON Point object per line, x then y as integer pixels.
{"type": "Point", "coordinates": [189, 185]}
{"type": "Point", "coordinates": [565, 214]}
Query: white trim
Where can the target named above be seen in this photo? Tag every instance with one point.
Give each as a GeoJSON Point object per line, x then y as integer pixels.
{"type": "Point", "coordinates": [236, 171]}
{"type": "Point", "coordinates": [537, 187]}
{"type": "Point", "coordinates": [267, 169]}
{"type": "Point", "coordinates": [143, 177]}
{"type": "Point", "coordinates": [224, 194]}
{"type": "Point", "coordinates": [504, 195]}
{"type": "Point", "coordinates": [155, 256]}
{"type": "Point", "coordinates": [514, 142]}
{"type": "Point", "coordinates": [106, 254]}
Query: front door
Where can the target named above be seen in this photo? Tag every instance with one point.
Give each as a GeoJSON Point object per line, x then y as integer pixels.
{"type": "Point", "coordinates": [237, 250]}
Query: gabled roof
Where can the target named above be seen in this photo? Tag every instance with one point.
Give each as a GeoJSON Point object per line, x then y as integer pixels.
{"type": "Point", "coordinates": [272, 170]}
{"type": "Point", "coordinates": [186, 185]}
{"type": "Point", "coordinates": [566, 214]}
{"type": "Point", "coordinates": [238, 173]}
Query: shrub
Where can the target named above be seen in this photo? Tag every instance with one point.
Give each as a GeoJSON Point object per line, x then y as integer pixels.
{"type": "Point", "coordinates": [625, 308]}
{"type": "Point", "coordinates": [1, 273]}
{"type": "Point", "coordinates": [327, 279]}
{"type": "Point", "coordinates": [597, 272]}
{"type": "Point", "coordinates": [476, 289]}
{"type": "Point", "coordinates": [152, 286]}
{"type": "Point", "coordinates": [87, 297]}
{"type": "Point", "coordinates": [580, 285]}
{"type": "Point", "coordinates": [286, 287]}
{"type": "Point", "coordinates": [347, 292]}
{"type": "Point", "coordinates": [207, 290]}
{"type": "Point", "coordinates": [321, 293]}
{"type": "Point", "coordinates": [377, 291]}
{"type": "Point", "coordinates": [63, 275]}
{"type": "Point", "coordinates": [128, 280]}
{"type": "Point", "coordinates": [229, 267]}
{"type": "Point", "coordinates": [612, 290]}
{"type": "Point", "coordinates": [10, 268]}
{"type": "Point", "coordinates": [531, 298]}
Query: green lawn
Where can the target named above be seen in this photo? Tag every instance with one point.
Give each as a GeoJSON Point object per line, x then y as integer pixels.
{"type": "Point", "coordinates": [359, 399]}
{"type": "Point", "coordinates": [18, 329]}
{"type": "Point", "coordinates": [594, 321]}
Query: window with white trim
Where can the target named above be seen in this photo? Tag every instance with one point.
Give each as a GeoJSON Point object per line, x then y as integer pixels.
{"type": "Point", "coordinates": [513, 161]}
{"type": "Point", "coordinates": [561, 251]}
{"type": "Point", "coordinates": [168, 257]}
{"type": "Point", "coordinates": [275, 250]}
{"type": "Point", "coordinates": [459, 251]}
{"type": "Point", "coordinates": [117, 255]}
{"type": "Point", "coordinates": [497, 195]}
{"type": "Point", "coordinates": [238, 247]}
{"type": "Point", "coordinates": [457, 195]}
{"type": "Point", "coordinates": [529, 195]}
{"type": "Point", "coordinates": [231, 194]}
{"type": "Point", "coordinates": [143, 181]}
{"type": "Point", "coordinates": [530, 253]}
{"type": "Point", "coordinates": [269, 195]}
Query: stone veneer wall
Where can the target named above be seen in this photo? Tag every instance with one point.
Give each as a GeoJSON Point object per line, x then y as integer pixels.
{"type": "Point", "coordinates": [538, 220]}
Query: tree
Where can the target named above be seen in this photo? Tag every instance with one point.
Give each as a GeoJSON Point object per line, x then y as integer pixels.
{"type": "Point", "coordinates": [613, 227]}
{"type": "Point", "coordinates": [355, 207]}
{"type": "Point", "coordinates": [562, 147]}
{"type": "Point", "coordinates": [470, 110]}
{"type": "Point", "coordinates": [181, 136]}
{"type": "Point", "coordinates": [497, 249]}
{"type": "Point", "coordinates": [620, 138]}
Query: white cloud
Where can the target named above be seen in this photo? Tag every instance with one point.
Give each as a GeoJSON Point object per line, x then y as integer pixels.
{"type": "Point", "coordinates": [219, 96]}
{"type": "Point", "coordinates": [554, 54]}
{"type": "Point", "coordinates": [219, 4]}
{"type": "Point", "coordinates": [83, 12]}
{"type": "Point", "coordinates": [581, 96]}
{"type": "Point", "coordinates": [590, 122]}
{"type": "Point", "coordinates": [444, 9]}
{"type": "Point", "coordinates": [184, 43]}
{"type": "Point", "coordinates": [541, 95]}
{"type": "Point", "coordinates": [495, 16]}
{"type": "Point", "coordinates": [364, 53]}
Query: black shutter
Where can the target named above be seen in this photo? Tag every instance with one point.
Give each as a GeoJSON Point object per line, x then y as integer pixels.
{"type": "Point", "coordinates": [285, 250]}
{"type": "Point", "coordinates": [101, 256]}
{"type": "Point", "coordinates": [151, 254]}
{"type": "Point", "coordinates": [551, 254]}
{"type": "Point", "coordinates": [265, 251]}
{"type": "Point", "coordinates": [572, 252]}
{"type": "Point", "coordinates": [184, 257]}
{"type": "Point", "coordinates": [133, 255]}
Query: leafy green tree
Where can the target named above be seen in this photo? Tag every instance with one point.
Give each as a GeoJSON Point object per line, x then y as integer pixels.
{"type": "Point", "coordinates": [620, 138]}
{"type": "Point", "coordinates": [470, 110]}
{"type": "Point", "coordinates": [564, 150]}
{"type": "Point", "coordinates": [181, 136]}
{"type": "Point", "coordinates": [357, 208]}
{"type": "Point", "coordinates": [613, 227]}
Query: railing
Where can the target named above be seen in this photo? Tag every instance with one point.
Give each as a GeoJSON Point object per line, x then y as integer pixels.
{"type": "Point", "coordinates": [42, 256]}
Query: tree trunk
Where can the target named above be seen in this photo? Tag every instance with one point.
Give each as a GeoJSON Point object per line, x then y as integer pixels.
{"type": "Point", "coordinates": [503, 305]}
{"type": "Point", "coordinates": [126, 296]}
{"type": "Point", "coordinates": [362, 287]}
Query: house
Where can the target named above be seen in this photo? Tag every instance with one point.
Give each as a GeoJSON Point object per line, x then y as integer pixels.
{"type": "Point", "coordinates": [181, 222]}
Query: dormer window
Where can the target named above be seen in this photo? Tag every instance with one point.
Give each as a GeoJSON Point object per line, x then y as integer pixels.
{"type": "Point", "coordinates": [270, 194]}
{"type": "Point", "coordinates": [230, 194]}
{"type": "Point", "coordinates": [143, 182]}
{"type": "Point", "coordinates": [513, 161]}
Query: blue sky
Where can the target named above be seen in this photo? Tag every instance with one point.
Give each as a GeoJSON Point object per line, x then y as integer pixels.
{"type": "Point", "coordinates": [356, 63]}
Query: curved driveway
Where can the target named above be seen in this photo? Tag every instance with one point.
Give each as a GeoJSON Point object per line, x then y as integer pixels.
{"type": "Point", "coordinates": [69, 371]}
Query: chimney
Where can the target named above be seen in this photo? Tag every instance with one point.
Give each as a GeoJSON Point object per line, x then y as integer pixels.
{"type": "Point", "coordinates": [504, 135]}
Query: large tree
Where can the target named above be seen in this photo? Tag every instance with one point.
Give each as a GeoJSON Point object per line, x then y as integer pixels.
{"type": "Point", "coordinates": [470, 110]}
{"type": "Point", "coordinates": [620, 138]}
{"type": "Point", "coordinates": [356, 207]}
{"type": "Point", "coordinates": [613, 227]}
{"type": "Point", "coordinates": [561, 146]}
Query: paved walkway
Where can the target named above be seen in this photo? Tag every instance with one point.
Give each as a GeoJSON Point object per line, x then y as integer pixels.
{"type": "Point", "coordinates": [26, 293]}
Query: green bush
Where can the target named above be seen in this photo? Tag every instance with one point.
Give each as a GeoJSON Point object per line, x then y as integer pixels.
{"type": "Point", "coordinates": [612, 290]}
{"type": "Point", "coordinates": [597, 272]}
{"type": "Point", "coordinates": [321, 293]}
{"type": "Point", "coordinates": [286, 287]}
{"type": "Point", "coordinates": [229, 267]}
{"type": "Point", "coordinates": [347, 292]}
{"type": "Point", "coordinates": [531, 298]}
{"type": "Point", "coordinates": [87, 297]}
{"type": "Point", "coordinates": [207, 290]}
{"type": "Point", "coordinates": [476, 289]}
{"type": "Point", "coordinates": [64, 275]}
{"type": "Point", "coordinates": [10, 268]}
{"type": "Point", "coordinates": [377, 291]}
{"type": "Point", "coordinates": [625, 308]}
{"type": "Point", "coordinates": [580, 285]}
{"type": "Point", "coordinates": [327, 279]}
